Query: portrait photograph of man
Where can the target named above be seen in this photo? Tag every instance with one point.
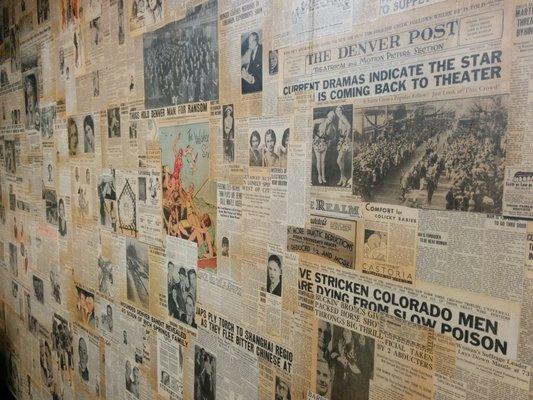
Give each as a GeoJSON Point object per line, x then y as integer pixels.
{"type": "Point", "coordinates": [274, 274]}
{"type": "Point", "coordinates": [251, 62]}
{"type": "Point", "coordinates": [344, 363]}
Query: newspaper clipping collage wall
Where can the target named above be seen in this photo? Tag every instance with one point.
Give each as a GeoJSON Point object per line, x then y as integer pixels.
{"type": "Point", "coordinates": [266, 199]}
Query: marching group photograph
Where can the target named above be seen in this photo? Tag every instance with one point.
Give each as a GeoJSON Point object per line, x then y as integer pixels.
{"type": "Point", "coordinates": [440, 155]}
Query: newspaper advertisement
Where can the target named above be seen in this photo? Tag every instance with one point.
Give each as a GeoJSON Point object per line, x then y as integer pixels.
{"type": "Point", "coordinates": [386, 245]}
{"type": "Point", "coordinates": [329, 238]}
{"type": "Point", "coordinates": [517, 193]}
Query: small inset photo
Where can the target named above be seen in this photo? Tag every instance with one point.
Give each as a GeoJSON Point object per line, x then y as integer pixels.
{"type": "Point", "coordinates": [204, 374]}
{"type": "Point", "coordinates": [283, 389]}
{"type": "Point", "coordinates": [274, 274]}
{"type": "Point", "coordinates": [273, 62]}
{"type": "Point", "coordinates": [251, 62]}
{"type": "Point", "coordinates": [375, 246]}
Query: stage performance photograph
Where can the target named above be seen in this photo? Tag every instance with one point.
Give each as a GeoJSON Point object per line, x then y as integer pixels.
{"type": "Point", "coordinates": [332, 146]}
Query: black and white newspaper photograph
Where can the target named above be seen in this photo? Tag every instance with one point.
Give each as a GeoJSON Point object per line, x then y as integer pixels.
{"type": "Point", "coordinates": [31, 101]}
{"type": "Point", "coordinates": [269, 147]}
{"type": "Point", "coordinates": [205, 382]}
{"type": "Point", "coordinates": [443, 154]}
{"type": "Point", "coordinates": [274, 274]}
{"type": "Point", "coordinates": [228, 133]}
{"type": "Point", "coordinates": [137, 272]}
{"type": "Point", "coordinates": [181, 59]}
{"type": "Point", "coordinates": [332, 146]}
{"type": "Point", "coordinates": [251, 62]}
{"type": "Point", "coordinates": [113, 123]}
{"type": "Point", "coordinates": [87, 360]}
{"type": "Point", "coordinates": [107, 198]}
{"type": "Point", "coordinates": [89, 134]}
{"type": "Point", "coordinates": [344, 363]}
{"type": "Point", "coordinates": [48, 114]}
{"type": "Point", "coordinates": [181, 298]}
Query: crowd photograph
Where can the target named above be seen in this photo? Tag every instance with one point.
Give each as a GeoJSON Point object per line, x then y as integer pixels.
{"type": "Point", "coordinates": [181, 62]}
{"type": "Point", "coordinates": [332, 146]}
{"type": "Point", "coordinates": [443, 155]}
